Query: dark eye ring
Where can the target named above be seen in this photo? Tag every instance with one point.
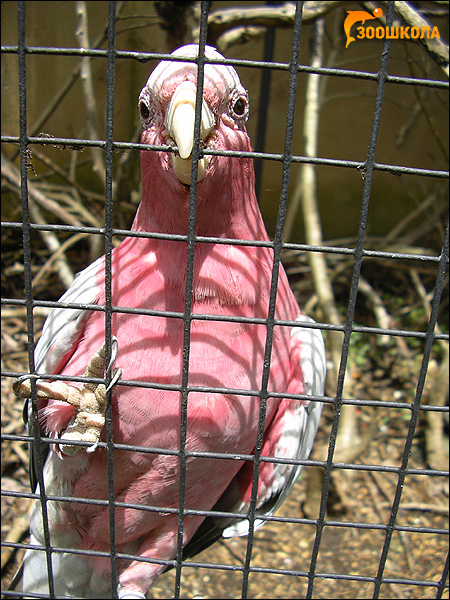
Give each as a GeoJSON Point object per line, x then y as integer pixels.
{"type": "Point", "coordinates": [145, 113]}
{"type": "Point", "coordinates": [239, 106]}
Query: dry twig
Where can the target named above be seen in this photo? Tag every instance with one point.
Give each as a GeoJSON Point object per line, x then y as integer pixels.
{"type": "Point", "coordinates": [254, 20]}
{"type": "Point", "coordinates": [437, 392]}
{"type": "Point", "coordinates": [11, 173]}
{"type": "Point", "coordinates": [437, 49]}
{"type": "Point", "coordinates": [88, 89]}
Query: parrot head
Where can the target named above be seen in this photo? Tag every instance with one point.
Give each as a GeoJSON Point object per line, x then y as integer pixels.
{"type": "Point", "coordinates": [167, 109]}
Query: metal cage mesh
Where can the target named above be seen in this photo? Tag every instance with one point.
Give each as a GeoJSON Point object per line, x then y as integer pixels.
{"type": "Point", "coordinates": [357, 254]}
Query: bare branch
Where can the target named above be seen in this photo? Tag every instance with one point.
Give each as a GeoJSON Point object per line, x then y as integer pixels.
{"type": "Point", "coordinates": [382, 316]}
{"type": "Point", "coordinates": [88, 89]}
{"type": "Point", "coordinates": [11, 173]}
{"type": "Point", "coordinates": [238, 35]}
{"type": "Point", "coordinates": [437, 393]}
{"type": "Point", "coordinates": [54, 258]}
{"type": "Point", "coordinates": [282, 16]}
{"type": "Point", "coordinates": [437, 49]}
{"type": "Point", "coordinates": [67, 85]}
{"type": "Point", "coordinates": [305, 193]}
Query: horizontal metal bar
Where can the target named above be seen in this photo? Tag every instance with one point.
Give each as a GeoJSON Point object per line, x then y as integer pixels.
{"type": "Point", "coordinates": [349, 164]}
{"type": "Point", "coordinates": [145, 57]}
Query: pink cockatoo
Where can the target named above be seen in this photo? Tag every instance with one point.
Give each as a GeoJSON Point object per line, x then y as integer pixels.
{"type": "Point", "coordinates": [149, 273]}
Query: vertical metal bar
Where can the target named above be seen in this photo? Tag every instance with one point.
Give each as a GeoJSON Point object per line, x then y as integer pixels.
{"type": "Point", "coordinates": [369, 165]}
{"type": "Point", "coordinates": [189, 292]}
{"type": "Point", "coordinates": [415, 411]}
{"type": "Point", "coordinates": [109, 149]}
{"type": "Point", "coordinates": [23, 146]}
{"type": "Point", "coordinates": [443, 582]}
{"type": "Point", "coordinates": [278, 240]}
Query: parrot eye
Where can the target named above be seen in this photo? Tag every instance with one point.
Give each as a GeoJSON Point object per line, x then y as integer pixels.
{"type": "Point", "coordinates": [144, 110]}
{"type": "Point", "coordinates": [239, 106]}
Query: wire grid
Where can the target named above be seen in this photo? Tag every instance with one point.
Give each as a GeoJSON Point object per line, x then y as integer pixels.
{"type": "Point", "coordinates": [359, 252]}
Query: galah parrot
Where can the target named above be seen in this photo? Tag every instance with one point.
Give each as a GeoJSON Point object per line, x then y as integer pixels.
{"type": "Point", "coordinates": [150, 274]}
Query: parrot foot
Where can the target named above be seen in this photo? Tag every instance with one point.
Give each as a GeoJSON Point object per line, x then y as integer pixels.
{"type": "Point", "coordinates": [89, 420]}
{"type": "Point", "coordinates": [89, 401]}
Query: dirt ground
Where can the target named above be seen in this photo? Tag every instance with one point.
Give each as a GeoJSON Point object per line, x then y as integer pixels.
{"type": "Point", "coordinates": [347, 551]}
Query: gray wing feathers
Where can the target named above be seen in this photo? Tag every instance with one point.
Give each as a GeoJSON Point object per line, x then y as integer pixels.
{"type": "Point", "coordinates": [64, 325]}
{"type": "Point", "coordinates": [302, 428]}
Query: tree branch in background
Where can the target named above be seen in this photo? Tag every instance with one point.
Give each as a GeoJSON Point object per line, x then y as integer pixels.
{"type": "Point", "coordinates": [12, 176]}
{"type": "Point", "coordinates": [437, 393]}
{"type": "Point", "coordinates": [305, 194]}
{"type": "Point", "coordinates": [437, 49]}
{"type": "Point", "coordinates": [67, 85]}
{"type": "Point", "coordinates": [88, 89]}
{"type": "Point", "coordinates": [230, 26]}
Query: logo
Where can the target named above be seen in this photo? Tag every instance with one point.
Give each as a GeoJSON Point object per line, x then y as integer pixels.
{"type": "Point", "coordinates": [358, 15]}
{"type": "Point", "coordinates": [392, 33]}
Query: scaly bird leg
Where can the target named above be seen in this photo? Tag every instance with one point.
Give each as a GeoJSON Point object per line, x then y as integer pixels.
{"type": "Point", "coordinates": [89, 401]}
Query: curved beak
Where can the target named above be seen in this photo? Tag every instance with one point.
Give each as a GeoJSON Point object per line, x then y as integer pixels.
{"type": "Point", "coordinates": [179, 123]}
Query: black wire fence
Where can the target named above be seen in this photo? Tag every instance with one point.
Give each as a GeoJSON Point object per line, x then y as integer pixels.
{"type": "Point", "coordinates": [311, 574]}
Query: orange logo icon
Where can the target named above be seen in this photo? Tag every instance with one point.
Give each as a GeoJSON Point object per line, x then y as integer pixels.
{"type": "Point", "coordinates": [354, 16]}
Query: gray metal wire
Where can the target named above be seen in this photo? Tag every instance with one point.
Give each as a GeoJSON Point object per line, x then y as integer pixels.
{"type": "Point", "coordinates": [359, 253]}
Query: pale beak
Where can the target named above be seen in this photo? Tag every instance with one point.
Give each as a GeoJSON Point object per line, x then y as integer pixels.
{"type": "Point", "coordinates": [179, 123]}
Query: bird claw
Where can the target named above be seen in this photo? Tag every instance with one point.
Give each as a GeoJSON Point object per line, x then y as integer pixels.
{"type": "Point", "coordinates": [117, 374]}
{"type": "Point", "coordinates": [89, 401]}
